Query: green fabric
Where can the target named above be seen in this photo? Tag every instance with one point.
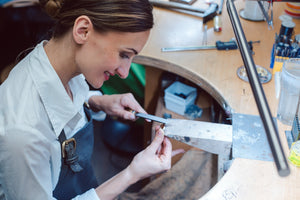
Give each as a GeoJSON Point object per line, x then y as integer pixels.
{"type": "Point", "coordinates": [134, 83]}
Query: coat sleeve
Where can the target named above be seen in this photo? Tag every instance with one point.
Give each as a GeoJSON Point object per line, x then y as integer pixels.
{"type": "Point", "coordinates": [25, 164]}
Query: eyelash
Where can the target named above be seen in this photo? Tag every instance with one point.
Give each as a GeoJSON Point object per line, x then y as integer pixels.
{"type": "Point", "coordinates": [124, 55]}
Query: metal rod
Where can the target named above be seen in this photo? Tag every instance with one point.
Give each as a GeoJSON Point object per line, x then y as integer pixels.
{"type": "Point", "coordinates": [261, 102]}
{"type": "Point", "coordinates": [205, 47]}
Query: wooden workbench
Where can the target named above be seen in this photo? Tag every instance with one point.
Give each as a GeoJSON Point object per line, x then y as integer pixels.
{"type": "Point", "coordinates": [215, 72]}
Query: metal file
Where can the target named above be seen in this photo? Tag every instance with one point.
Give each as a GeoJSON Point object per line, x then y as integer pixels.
{"type": "Point", "coordinates": [152, 117]}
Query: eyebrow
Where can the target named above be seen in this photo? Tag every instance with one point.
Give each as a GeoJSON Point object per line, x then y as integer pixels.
{"type": "Point", "coordinates": [134, 51]}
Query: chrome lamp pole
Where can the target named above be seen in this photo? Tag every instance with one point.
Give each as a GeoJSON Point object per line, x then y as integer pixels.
{"type": "Point", "coordinates": [257, 90]}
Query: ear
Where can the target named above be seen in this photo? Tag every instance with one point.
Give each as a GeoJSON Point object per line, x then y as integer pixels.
{"type": "Point", "coordinates": [81, 29]}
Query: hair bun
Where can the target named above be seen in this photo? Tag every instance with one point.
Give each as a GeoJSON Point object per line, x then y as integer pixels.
{"type": "Point", "coordinates": [52, 7]}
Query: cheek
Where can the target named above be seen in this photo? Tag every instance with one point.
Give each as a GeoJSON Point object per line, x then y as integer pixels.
{"type": "Point", "coordinates": [89, 60]}
{"type": "Point", "coordinates": [95, 78]}
{"type": "Point", "coordinates": [91, 69]}
{"type": "Point", "coordinates": [84, 59]}
{"type": "Point", "coordinates": [111, 59]}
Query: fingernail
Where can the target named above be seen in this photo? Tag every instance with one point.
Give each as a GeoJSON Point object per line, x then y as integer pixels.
{"type": "Point", "coordinates": [132, 116]}
{"type": "Point", "coordinates": [160, 132]}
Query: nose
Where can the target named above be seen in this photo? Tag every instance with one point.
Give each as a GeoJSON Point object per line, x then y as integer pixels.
{"type": "Point", "coordinates": [123, 70]}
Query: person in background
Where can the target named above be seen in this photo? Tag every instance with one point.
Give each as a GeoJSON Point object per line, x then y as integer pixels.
{"type": "Point", "coordinates": [46, 134]}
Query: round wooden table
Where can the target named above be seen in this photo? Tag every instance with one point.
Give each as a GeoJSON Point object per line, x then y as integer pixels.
{"type": "Point", "coordinates": [216, 72]}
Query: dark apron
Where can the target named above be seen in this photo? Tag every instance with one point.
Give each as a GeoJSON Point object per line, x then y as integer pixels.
{"type": "Point", "coordinates": [70, 183]}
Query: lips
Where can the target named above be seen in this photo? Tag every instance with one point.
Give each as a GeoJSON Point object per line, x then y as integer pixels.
{"type": "Point", "coordinates": [106, 75]}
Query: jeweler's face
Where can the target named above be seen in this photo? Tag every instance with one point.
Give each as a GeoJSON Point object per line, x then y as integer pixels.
{"type": "Point", "coordinates": [105, 55]}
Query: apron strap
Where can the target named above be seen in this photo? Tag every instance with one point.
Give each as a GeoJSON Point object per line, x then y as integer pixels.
{"type": "Point", "coordinates": [68, 150]}
{"type": "Point", "coordinates": [68, 147]}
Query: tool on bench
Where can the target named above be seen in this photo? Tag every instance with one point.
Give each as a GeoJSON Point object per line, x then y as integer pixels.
{"type": "Point", "coordinates": [219, 46]}
{"type": "Point", "coordinates": [206, 14]}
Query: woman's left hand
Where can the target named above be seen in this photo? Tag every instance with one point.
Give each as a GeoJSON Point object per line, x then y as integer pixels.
{"type": "Point", "coordinates": [119, 105]}
{"type": "Point", "coordinates": [156, 158]}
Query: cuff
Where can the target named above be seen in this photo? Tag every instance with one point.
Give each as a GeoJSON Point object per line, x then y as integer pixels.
{"type": "Point", "coordinates": [88, 195]}
{"type": "Point", "coordinates": [98, 116]}
{"type": "Point", "coordinates": [93, 93]}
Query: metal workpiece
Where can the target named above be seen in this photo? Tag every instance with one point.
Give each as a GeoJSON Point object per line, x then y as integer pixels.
{"type": "Point", "coordinates": [211, 137]}
{"type": "Point", "coordinates": [260, 99]}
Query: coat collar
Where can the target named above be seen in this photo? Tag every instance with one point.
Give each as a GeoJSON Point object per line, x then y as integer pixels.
{"type": "Point", "coordinates": [58, 105]}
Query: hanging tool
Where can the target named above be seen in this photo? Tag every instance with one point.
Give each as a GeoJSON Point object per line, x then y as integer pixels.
{"type": "Point", "coordinates": [266, 16]}
{"type": "Point", "coordinates": [219, 46]}
{"type": "Point", "coordinates": [204, 40]}
{"type": "Point", "coordinates": [206, 14]}
{"type": "Point", "coordinates": [220, 7]}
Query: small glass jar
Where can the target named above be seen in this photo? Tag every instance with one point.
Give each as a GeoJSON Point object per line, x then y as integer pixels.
{"type": "Point", "coordinates": [294, 156]}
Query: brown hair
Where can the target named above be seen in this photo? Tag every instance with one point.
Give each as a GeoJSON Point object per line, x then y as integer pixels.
{"type": "Point", "coordinates": [106, 15]}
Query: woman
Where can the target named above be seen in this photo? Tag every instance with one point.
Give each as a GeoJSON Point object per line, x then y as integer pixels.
{"type": "Point", "coordinates": [46, 135]}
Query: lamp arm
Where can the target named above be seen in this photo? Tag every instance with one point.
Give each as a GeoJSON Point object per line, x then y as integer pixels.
{"type": "Point", "coordinates": [261, 102]}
